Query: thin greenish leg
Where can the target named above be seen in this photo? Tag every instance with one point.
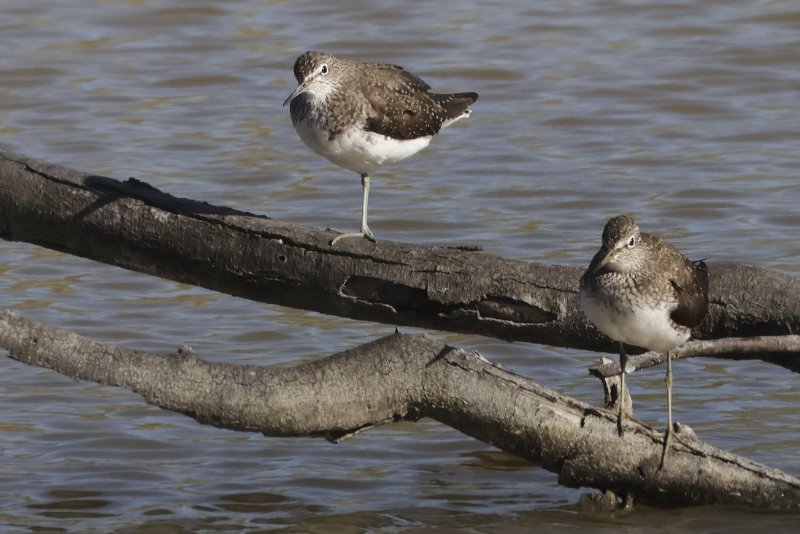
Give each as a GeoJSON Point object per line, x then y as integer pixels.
{"type": "Point", "coordinates": [365, 232]}
{"type": "Point", "coordinates": [668, 433]}
{"type": "Point", "coordinates": [623, 362]}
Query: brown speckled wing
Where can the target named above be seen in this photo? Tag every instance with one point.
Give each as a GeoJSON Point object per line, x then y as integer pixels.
{"type": "Point", "coordinates": [402, 108]}
{"type": "Point", "coordinates": [398, 78]}
{"type": "Point", "coordinates": [688, 280]}
{"type": "Point", "coordinates": [691, 286]}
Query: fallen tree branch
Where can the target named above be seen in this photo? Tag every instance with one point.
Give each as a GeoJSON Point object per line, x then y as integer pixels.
{"type": "Point", "coordinates": [135, 226]}
{"type": "Point", "coordinates": [780, 350]}
{"type": "Point", "coordinates": [406, 377]}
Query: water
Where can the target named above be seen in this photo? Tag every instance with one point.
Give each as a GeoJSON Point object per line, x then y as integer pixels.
{"type": "Point", "coordinates": [684, 113]}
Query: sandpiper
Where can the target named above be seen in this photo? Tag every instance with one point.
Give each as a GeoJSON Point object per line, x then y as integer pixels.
{"type": "Point", "coordinates": [364, 115]}
{"type": "Point", "coordinates": [642, 291]}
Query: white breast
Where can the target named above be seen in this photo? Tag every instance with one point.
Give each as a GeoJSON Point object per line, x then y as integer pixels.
{"type": "Point", "coordinates": [356, 149]}
{"type": "Point", "coordinates": [647, 327]}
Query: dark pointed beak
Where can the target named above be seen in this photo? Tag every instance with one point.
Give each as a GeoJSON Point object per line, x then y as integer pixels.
{"type": "Point", "coordinates": [302, 88]}
{"type": "Point", "coordinates": [606, 259]}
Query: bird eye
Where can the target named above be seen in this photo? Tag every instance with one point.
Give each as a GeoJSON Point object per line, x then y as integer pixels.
{"type": "Point", "coordinates": [632, 242]}
{"type": "Point", "coordinates": [324, 69]}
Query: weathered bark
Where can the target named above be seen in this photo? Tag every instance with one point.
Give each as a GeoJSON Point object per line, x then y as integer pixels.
{"type": "Point", "coordinates": [409, 377]}
{"type": "Point", "coordinates": [135, 226]}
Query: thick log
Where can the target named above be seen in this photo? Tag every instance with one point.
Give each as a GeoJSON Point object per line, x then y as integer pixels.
{"type": "Point", "coordinates": [132, 225]}
{"type": "Point", "coordinates": [406, 377]}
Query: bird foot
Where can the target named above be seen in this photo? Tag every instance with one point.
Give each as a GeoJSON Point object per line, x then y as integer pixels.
{"type": "Point", "coordinates": [674, 435]}
{"type": "Point", "coordinates": [365, 235]}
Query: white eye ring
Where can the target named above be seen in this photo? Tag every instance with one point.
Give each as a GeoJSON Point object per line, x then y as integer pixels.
{"type": "Point", "coordinates": [323, 69]}
{"type": "Point", "coordinates": [632, 242]}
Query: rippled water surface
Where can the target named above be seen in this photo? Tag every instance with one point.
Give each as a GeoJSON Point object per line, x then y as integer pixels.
{"type": "Point", "coordinates": [685, 113]}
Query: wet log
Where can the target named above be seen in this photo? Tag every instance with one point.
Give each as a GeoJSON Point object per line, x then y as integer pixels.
{"type": "Point", "coordinates": [135, 226]}
{"type": "Point", "coordinates": [408, 377]}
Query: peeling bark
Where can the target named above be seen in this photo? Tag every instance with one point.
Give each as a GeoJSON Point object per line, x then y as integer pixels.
{"type": "Point", "coordinates": [409, 377]}
{"type": "Point", "coordinates": [135, 226]}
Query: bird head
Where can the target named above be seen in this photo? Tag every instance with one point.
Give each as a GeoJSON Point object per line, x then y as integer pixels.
{"type": "Point", "coordinates": [315, 73]}
{"type": "Point", "coordinates": [622, 249]}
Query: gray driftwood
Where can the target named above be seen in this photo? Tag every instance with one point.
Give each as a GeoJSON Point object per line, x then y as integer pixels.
{"type": "Point", "coordinates": [133, 225]}
{"type": "Point", "coordinates": [407, 377]}
{"type": "Point", "coordinates": [780, 350]}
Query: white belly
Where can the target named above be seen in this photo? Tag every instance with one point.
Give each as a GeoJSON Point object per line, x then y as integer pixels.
{"type": "Point", "coordinates": [357, 149]}
{"type": "Point", "coordinates": [646, 327]}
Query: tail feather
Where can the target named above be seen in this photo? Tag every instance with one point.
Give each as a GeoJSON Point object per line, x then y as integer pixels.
{"type": "Point", "coordinates": [456, 105]}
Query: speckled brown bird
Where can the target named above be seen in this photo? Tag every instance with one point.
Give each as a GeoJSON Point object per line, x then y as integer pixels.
{"type": "Point", "coordinates": [364, 115]}
{"type": "Point", "coordinates": [642, 291]}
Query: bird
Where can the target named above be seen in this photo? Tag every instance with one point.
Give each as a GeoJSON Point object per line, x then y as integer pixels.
{"type": "Point", "coordinates": [363, 115]}
{"type": "Point", "coordinates": [640, 290]}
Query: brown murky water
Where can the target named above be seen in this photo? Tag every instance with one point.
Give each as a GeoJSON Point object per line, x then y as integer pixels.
{"type": "Point", "coordinates": [685, 113]}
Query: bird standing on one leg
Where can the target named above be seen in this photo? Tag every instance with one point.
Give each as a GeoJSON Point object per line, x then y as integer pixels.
{"type": "Point", "coordinates": [642, 291]}
{"type": "Point", "coordinates": [364, 115]}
